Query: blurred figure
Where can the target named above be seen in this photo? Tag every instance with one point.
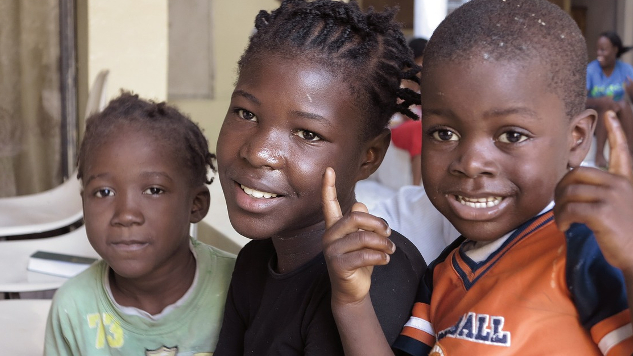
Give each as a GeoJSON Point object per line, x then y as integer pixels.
{"type": "Point", "coordinates": [417, 46]}
{"type": "Point", "coordinates": [407, 134]}
{"type": "Point", "coordinates": [610, 87]}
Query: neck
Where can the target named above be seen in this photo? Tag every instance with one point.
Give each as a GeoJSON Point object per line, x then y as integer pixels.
{"type": "Point", "coordinates": [154, 294]}
{"type": "Point", "coordinates": [608, 70]}
{"type": "Point", "coordinates": [293, 251]}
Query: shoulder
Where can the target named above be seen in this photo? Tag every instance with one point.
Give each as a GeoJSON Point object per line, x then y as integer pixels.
{"type": "Point", "coordinates": [593, 66]}
{"type": "Point", "coordinates": [404, 270]}
{"type": "Point", "coordinates": [202, 248]}
{"type": "Point", "coordinates": [84, 286]}
{"type": "Point", "coordinates": [408, 251]}
{"type": "Point", "coordinates": [394, 286]}
{"type": "Point", "coordinates": [626, 67]}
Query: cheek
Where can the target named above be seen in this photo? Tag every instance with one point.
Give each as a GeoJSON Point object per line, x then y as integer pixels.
{"type": "Point", "coordinates": [433, 166]}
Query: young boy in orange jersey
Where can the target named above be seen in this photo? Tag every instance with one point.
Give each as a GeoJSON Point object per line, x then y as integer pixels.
{"type": "Point", "coordinates": [505, 128]}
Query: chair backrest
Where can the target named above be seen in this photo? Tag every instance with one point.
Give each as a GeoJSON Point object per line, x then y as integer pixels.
{"type": "Point", "coordinates": [97, 96]}
{"type": "Point", "coordinates": [14, 258]}
{"type": "Point", "coordinates": [23, 326]}
{"type": "Point", "coordinates": [46, 211]}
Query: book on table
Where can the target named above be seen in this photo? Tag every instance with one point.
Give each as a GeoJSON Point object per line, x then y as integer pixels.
{"type": "Point", "coordinates": [58, 264]}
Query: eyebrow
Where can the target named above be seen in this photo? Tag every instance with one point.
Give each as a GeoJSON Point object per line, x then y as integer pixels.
{"type": "Point", "coordinates": [95, 176]}
{"type": "Point", "coordinates": [246, 95]}
{"type": "Point", "coordinates": [311, 116]}
{"type": "Point", "coordinates": [523, 111]}
{"type": "Point", "coordinates": [156, 175]}
{"type": "Point", "coordinates": [143, 175]}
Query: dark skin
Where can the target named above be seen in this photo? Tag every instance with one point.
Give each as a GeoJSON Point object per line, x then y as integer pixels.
{"type": "Point", "coordinates": [131, 184]}
{"type": "Point", "coordinates": [607, 57]}
{"type": "Point", "coordinates": [469, 136]}
{"type": "Point", "coordinates": [288, 120]}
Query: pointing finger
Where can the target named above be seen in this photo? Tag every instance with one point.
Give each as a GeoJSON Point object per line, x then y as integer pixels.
{"type": "Point", "coordinates": [619, 157]}
{"type": "Point", "coordinates": [331, 207]}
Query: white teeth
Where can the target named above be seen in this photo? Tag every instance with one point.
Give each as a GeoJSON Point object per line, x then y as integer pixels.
{"type": "Point", "coordinates": [256, 193]}
{"type": "Point", "coordinates": [479, 202]}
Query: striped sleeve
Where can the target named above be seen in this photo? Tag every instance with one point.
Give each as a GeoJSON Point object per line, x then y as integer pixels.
{"type": "Point", "coordinates": [418, 337]}
{"type": "Point", "coordinates": [599, 293]}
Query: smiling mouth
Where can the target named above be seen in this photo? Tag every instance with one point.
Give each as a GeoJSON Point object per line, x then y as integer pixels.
{"type": "Point", "coordinates": [479, 203]}
{"type": "Point", "coordinates": [256, 193]}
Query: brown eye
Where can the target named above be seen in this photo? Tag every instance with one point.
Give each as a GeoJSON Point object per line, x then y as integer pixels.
{"type": "Point", "coordinates": [308, 135]}
{"type": "Point", "coordinates": [512, 137]}
{"type": "Point", "coordinates": [246, 115]}
{"type": "Point", "coordinates": [104, 192]}
{"type": "Point", "coordinates": [153, 191]}
{"type": "Point", "coordinates": [445, 135]}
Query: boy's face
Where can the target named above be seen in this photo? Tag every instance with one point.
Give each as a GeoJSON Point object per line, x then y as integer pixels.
{"type": "Point", "coordinates": [496, 142]}
{"type": "Point", "coordinates": [138, 204]}
{"type": "Point", "coordinates": [288, 120]}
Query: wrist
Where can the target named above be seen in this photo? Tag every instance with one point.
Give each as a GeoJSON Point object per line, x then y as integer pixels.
{"type": "Point", "coordinates": [347, 304]}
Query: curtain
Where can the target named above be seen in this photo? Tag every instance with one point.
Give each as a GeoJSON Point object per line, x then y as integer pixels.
{"type": "Point", "coordinates": [30, 99]}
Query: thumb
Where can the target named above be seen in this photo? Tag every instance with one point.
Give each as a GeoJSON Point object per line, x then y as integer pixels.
{"type": "Point", "coordinates": [360, 207]}
{"type": "Point", "coordinates": [331, 207]}
{"type": "Point", "coordinates": [619, 157]}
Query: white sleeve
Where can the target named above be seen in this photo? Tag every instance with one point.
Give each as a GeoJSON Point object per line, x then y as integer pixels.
{"type": "Point", "coordinates": [411, 213]}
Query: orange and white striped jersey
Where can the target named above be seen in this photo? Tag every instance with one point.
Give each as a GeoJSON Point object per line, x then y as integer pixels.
{"type": "Point", "coordinates": [541, 292]}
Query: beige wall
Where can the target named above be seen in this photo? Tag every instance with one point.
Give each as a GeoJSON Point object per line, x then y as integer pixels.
{"type": "Point", "coordinates": [232, 24]}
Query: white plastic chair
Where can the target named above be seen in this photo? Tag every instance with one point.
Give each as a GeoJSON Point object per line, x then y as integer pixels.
{"type": "Point", "coordinates": [22, 326]}
{"type": "Point", "coordinates": [56, 208]}
{"type": "Point", "coordinates": [14, 259]}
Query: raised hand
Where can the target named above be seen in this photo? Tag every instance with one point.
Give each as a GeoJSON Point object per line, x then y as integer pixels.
{"type": "Point", "coordinates": [602, 200]}
{"type": "Point", "coordinates": [352, 244]}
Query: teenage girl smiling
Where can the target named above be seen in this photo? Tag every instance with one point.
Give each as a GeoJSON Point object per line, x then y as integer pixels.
{"type": "Point", "coordinates": [316, 88]}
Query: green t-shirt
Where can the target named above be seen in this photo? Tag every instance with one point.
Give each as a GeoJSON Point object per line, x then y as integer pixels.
{"type": "Point", "coordinates": [84, 320]}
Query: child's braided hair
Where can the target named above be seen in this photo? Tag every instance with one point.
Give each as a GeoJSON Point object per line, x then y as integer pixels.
{"type": "Point", "coordinates": [366, 46]}
{"type": "Point", "coordinates": [158, 119]}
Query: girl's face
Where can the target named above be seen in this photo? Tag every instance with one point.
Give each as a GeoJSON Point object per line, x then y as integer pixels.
{"type": "Point", "coordinates": [288, 121]}
{"type": "Point", "coordinates": [607, 53]}
{"type": "Point", "coordinates": [138, 205]}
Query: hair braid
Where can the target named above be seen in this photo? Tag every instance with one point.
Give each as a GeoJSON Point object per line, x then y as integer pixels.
{"type": "Point", "coordinates": [366, 48]}
{"type": "Point", "coordinates": [158, 119]}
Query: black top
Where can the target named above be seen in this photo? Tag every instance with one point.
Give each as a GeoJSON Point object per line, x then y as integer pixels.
{"type": "Point", "coordinates": [268, 313]}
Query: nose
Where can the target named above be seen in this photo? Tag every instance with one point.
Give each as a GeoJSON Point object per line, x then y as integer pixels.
{"type": "Point", "coordinates": [476, 158]}
{"type": "Point", "coordinates": [265, 148]}
{"type": "Point", "coordinates": [127, 211]}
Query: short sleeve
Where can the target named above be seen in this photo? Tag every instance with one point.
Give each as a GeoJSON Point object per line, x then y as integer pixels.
{"type": "Point", "coordinates": [599, 293]}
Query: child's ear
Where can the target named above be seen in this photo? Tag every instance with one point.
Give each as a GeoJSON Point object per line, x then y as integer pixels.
{"type": "Point", "coordinates": [582, 127]}
{"type": "Point", "coordinates": [200, 204]}
{"type": "Point", "coordinates": [375, 151]}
